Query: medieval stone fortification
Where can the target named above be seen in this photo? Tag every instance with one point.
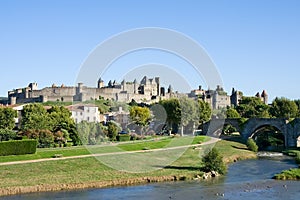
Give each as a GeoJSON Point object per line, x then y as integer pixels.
{"type": "Point", "coordinates": [147, 90]}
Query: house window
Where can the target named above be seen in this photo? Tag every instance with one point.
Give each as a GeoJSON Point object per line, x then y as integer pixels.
{"type": "Point", "coordinates": [88, 118]}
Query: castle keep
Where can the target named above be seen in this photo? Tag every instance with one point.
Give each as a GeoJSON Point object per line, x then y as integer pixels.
{"type": "Point", "coordinates": [147, 89]}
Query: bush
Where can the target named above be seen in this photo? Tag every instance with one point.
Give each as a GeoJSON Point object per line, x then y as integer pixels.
{"type": "Point", "coordinates": [213, 161]}
{"type": "Point", "coordinates": [123, 137]}
{"type": "Point", "coordinates": [18, 147]}
{"type": "Point", "coordinates": [252, 145]}
{"type": "Point", "coordinates": [45, 138]}
{"type": "Point", "coordinates": [6, 135]}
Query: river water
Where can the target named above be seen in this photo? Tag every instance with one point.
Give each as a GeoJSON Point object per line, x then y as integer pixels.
{"type": "Point", "coordinates": [250, 179]}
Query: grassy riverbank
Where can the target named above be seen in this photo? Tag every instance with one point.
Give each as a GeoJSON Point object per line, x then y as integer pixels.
{"type": "Point", "coordinates": [89, 172]}
{"type": "Point", "coordinates": [291, 174]}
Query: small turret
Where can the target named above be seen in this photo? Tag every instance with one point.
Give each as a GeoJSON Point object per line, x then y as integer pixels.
{"type": "Point", "coordinates": [123, 84]}
{"type": "Point", "coordinates": [135, 87]}
{"type": "Point", "coordinates": [264, 97]}
{"type": "Point", "coordinates": [110, 84]}
{"type": "Point", "coordinates": [100, 83]}
{"type": "Point", "coordinates": [233, 91]}
{"type": "Point", "coordinates": [33, 86]}
{"type": "Point", "coordinates": [170, 90]}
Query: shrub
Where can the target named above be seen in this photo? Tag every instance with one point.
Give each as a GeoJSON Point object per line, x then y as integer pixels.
{"type": "Point", "coordinates": [252, 145]}
{"type": "Point", "coordinates": [123, 137]}
{"type": "Point", "coordinates": [6, 135]}
{"type": "Point", "coordinates": [17, 147]}
{"type": "Point", "coordinates": [213, 161]}
{"type": "Point", "coordinates": [45, 138]}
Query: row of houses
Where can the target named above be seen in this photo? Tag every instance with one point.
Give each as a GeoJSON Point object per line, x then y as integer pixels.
{"type": "Point", "coordinates": [86, 112]}
{"type": "Point", "coordinates": [90, 113]}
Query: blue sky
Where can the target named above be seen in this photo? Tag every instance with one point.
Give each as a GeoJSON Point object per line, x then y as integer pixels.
{"type": "Point", "coordinates": [255, 44]}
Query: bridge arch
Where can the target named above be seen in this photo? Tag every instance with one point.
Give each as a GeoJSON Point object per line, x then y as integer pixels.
{"type": "Point", "coordinates": [255, 124]}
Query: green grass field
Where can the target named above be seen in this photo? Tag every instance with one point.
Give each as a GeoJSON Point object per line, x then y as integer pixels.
{"type": "Point", "coordinates": [97, 149]}
{"type": "Point", "coordinates": [56, 174]}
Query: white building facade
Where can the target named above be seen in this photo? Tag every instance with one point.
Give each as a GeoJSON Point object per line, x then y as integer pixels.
{"type": "Point", "coordinates": [88, 113]}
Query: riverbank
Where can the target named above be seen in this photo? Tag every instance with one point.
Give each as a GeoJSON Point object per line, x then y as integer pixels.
{"type": "Point", "coordinates": [84, 173]}
{"type": "Point", "coordinates": [290, 174]}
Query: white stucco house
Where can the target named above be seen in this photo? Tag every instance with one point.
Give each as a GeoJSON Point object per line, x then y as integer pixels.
{"type": "Point", "coordinates": [82, 112]}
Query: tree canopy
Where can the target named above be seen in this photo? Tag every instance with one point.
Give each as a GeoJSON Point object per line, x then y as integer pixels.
{"type": "Point", "coordinates": [250, 107]}
{"type": "Point", "coordinates": [204, 111]}
{"type": "Point", "coordinates": [35, 117]}
{"type": "Point", "coordinates": [38, 122]}
{"type": "Point", "coordinates": [173, 110]}
{"type": "Point", "coordinates": [7, 116]}
{"type": "Point", "coordinates": [284, 108]}
{"type": "Point", "coordinates": [189, 112]}
{"type": "Point", "coordinates": [140, 115]}
{"type": "Point", "coordinates": [232, 113]}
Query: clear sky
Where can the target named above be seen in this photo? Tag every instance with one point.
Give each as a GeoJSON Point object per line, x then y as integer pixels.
{"type": "Point", "coordinates": [255, 44]}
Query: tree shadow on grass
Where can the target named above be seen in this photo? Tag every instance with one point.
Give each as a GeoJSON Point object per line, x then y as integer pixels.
{"type": "Point", "coordinates": [241, 148]}
{"type": "Point", "coordinates": [180, 167]}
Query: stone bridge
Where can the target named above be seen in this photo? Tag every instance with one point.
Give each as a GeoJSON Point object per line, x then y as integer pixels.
{"type": "Point", "coordinates": [290, 129]}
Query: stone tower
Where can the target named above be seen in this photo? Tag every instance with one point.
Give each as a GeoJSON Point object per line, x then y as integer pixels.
{"type": "Point", "coordinates": [100, 83]}
{"type": "Point", "coordinates": [235, 97]}
{"type": "Point", "coordinates": [135, 87]}
{"type": "Point", "coordinates": [170, 89]}
{"type": "Point", "coordinates": [264, 97]}
{"type": "Point", "coordinates": [33, 86]}
{"type": "Point", "coordinates": [158, 85]}
{"type": "Point", "coordinates": [123, 84]}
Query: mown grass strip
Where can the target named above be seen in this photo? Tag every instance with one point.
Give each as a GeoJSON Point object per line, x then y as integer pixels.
{"type": "Point", "coordinates": [97, 149]}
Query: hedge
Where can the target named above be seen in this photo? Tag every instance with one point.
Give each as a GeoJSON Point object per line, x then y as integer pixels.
{"type": "Point", "coordinates": [17, 147]}
{"type": "Point", "coordinates": [123, 137]}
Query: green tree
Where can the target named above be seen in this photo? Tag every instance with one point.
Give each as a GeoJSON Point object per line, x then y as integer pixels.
{"type": "Point", "coordinates": [173, 110]}
{"type": "Point", "coordinates": [204, 111]}
{"type": "Point", "coordinates": [113, 129]}
{"type": "Point", "coordinates": [35, 117]}
{"type": "Point", "coordinates": [213, 161]}
{"type": "Point", "coordinates": [61, 121]}
{"type": "Point", "coordinates": [189, 112]}
{"type": "Point", "coordinates": [284, 108]}
{"type": "Point", "coordinates": [83, 129]}
{"type": "Point", "coordinates": [232, 113]}
{"type": "Point", "coordinates": [7, 116]}
{"type": "Point", "coordinates": [251, 107]}
{"type": "Point", "coordinates": [140, 115]}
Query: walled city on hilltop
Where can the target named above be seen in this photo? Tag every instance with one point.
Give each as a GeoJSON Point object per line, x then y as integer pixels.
{"type": "Point", "coordinates": [148, 90]}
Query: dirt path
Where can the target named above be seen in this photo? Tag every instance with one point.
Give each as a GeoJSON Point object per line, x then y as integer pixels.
{"type": "Point", "coordinates": [211, 141]}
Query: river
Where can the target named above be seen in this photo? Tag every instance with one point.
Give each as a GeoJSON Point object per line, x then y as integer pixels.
{"type": "Point", "coordinates": [250, 179]}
